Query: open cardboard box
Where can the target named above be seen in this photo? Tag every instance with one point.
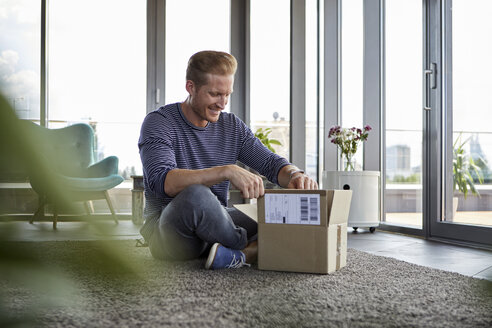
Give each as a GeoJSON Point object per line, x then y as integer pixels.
{"type": "Point", "coordinates": [301, 230]}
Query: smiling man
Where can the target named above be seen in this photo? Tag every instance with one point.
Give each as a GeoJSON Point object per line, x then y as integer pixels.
{"type": "Point", "coordinates": [189, 152]}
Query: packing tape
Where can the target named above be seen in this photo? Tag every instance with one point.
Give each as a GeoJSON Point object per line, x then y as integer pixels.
{"type": "Point", "coordinates": [339, 244]}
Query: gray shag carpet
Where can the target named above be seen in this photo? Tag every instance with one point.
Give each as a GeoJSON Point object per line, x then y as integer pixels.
{"type": "Point", "coordinates": [92, 289]}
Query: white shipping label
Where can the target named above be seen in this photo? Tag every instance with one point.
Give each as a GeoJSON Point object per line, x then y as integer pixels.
{"type": "Point", "coordinates": [292, 208]}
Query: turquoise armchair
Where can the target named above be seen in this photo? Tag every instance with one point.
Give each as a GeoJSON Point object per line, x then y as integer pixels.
{"type": "Point", "coordinates": [68, 155]}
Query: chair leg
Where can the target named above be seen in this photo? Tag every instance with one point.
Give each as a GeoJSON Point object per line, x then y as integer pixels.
{"type": "Point", "coordinates": [40, 211]}
{"type": "Point", "coordinates": [55, 217]}
{"type": "Point", "coordinates": [89, 207]}
{"type": "Point", "coordinates": [110, 204]}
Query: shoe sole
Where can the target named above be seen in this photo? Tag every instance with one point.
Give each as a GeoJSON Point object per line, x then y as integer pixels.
{"type": "Point", "coordinates": [211, 256]}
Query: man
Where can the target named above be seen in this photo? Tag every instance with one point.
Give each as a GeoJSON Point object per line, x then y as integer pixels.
{"type": "Point", "coordinates": [189, 152]}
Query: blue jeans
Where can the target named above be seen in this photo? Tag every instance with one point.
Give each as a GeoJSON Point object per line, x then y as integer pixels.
{"type": "Point", "coordinates": [193, 221]}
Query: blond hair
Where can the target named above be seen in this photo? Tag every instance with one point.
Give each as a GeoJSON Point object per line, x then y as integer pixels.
{"type": "Point", "coordinates": [209, 62]}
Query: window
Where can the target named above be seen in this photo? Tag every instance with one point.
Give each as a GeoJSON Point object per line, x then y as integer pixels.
{"type": "Point", "coordinates": [97, 73]}
{"type": "Point", "coordinates": [471, 107]}
{"type": "Point", "coordinates": [352, 70]}
{"type": "Point", "coordinates": [403, 188]}
{"type": "Point", "coordinates": [270, 70]}
{"type": "Point", "coordinates": [312, 88]}
{"type": "Point", "coordinates": [20, 23]}
{"type": "Point", "coordinates": [184, 37]}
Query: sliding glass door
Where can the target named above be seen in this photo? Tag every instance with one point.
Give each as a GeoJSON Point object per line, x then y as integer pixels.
{"type": "Point", "coordinates": [471, 115]}
{"type": "Point", "coordinates": [438, 136]}
{"type": "Point", "coordinates": [466, 113]}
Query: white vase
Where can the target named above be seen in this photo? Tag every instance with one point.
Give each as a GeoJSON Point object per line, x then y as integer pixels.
{"type": "Point", "coordinates": [365, 186]}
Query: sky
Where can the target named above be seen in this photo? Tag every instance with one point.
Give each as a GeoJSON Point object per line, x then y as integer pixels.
{"type": "Point", "coordinates": [19, 52]}
{"type": "Point", "coordinates": [97, 68]}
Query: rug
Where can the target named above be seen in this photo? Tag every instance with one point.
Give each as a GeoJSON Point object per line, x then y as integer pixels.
{"type": "Point", "coordinates": [82, 284]}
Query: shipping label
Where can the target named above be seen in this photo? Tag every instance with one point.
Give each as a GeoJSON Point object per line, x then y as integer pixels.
{"type": "Point", "coordinates": [292, 208]}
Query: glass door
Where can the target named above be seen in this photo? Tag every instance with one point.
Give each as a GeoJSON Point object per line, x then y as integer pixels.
{"type": "Point", "coordinates": [438, 136]}
{"type": "Point", "coordinates": [404, 115]}
{"type": "Point", "coordinates": [467, 112]}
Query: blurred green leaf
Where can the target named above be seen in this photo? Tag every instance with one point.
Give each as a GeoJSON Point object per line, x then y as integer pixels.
{"type": "Point", "coordinates": [262, 135]}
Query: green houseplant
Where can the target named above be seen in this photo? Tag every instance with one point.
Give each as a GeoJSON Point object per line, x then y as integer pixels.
{"type": "Point", "coordinates": [263, 134]}
{"type": "Point", "coordinates": [463, 166]}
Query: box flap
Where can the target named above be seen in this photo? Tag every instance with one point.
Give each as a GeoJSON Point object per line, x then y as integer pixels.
{"type": "Point", "coordinates": [339, 207]}
{"type": "Point", "coordinates": [250, 210]}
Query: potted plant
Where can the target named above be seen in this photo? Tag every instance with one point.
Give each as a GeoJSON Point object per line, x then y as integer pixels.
{"type": "Point", "coordinates": [463, 167]}
{"type": "Point", "coordinates": [263, 136]}
{"type": "Point", "coordinates": [365, 185]}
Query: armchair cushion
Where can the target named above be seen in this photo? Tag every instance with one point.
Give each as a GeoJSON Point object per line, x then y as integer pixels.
{"type": "Point", "coordinates": [105, 167]}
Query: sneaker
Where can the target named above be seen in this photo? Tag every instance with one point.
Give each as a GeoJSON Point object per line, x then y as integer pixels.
{"type": "Point", "coordinates": [221, 257]}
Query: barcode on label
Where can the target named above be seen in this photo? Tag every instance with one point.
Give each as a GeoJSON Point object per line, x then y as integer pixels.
{"type": "Point", "coordinates": [313, 208]}
{"type": "Point", "coordinates": [304, 209]}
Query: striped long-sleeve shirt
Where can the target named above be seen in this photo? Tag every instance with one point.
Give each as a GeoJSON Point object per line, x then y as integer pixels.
{"type": "Point", "coordinates": [169, 141]}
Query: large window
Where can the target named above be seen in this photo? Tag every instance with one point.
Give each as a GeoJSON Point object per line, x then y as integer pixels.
{"type": "Point", "coordinates": [403, 53]}
{"type": "Point", "coordinates": [97, 73]}
{"type": "Point", "coordinates": [192, 26]}
{"type": "Point", "coordinates": [270, 70]}
{"type": "Point", "coordinates": [352, 69]}
{"type": "Point", "coordinates": [471, 48]}
{"type": "Point", "coordinates": [312, 88]}
{"type": "Point", "coordinates": [20, 26]}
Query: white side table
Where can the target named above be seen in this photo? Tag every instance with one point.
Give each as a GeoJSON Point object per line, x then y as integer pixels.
{"type": "Point", "coordinates": [365, 209]}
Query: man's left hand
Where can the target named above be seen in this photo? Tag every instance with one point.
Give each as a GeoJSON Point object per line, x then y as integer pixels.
{"type": "Point", "coordinates": [302, 181]}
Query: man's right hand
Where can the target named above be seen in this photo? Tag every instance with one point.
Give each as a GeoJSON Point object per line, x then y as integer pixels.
{"type": "Point", "coordinates": [250, 184]}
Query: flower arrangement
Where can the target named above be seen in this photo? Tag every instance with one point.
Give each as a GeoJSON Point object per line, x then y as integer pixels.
{"type": "Point", "coordinates": [348, 139]}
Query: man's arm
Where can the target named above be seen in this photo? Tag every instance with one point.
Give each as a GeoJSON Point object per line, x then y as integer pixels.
{"type": "Point", "coordinates": [250, 185]}
{"type": "Point", "coordinates": [292, 177]}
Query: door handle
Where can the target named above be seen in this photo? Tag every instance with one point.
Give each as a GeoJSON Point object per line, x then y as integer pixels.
{"type": "Point", "coordinates": [429, 76]}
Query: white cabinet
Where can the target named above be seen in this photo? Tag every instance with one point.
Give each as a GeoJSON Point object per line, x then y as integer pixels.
{"type": "Point", "coordinates": [365, 209]}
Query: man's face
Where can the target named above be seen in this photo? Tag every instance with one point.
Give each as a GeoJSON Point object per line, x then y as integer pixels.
{"type": "Point", "coordinates": [207, 101]}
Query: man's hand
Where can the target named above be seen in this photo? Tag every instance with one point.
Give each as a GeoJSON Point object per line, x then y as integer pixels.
{"type": "Point", "coordinates": [302, 181]}
{"type": "Point", "coordinates": [291, 177]}
{"type": "Point", "coordinates": [250, 185]}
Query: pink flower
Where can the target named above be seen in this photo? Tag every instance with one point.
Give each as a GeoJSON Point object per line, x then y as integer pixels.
{"type": "Point", "coordinates": [348, 139]}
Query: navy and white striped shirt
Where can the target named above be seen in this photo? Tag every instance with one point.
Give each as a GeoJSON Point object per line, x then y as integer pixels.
{"type": "Point", "coordinates": [169, 141]}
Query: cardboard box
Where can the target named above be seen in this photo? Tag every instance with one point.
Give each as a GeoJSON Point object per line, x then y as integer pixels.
{"type": "Point", "coordinates": [302, 230]}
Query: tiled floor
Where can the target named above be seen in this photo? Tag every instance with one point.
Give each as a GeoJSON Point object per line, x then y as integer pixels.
{"type": "Point", "coordinates": [467, 261]}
